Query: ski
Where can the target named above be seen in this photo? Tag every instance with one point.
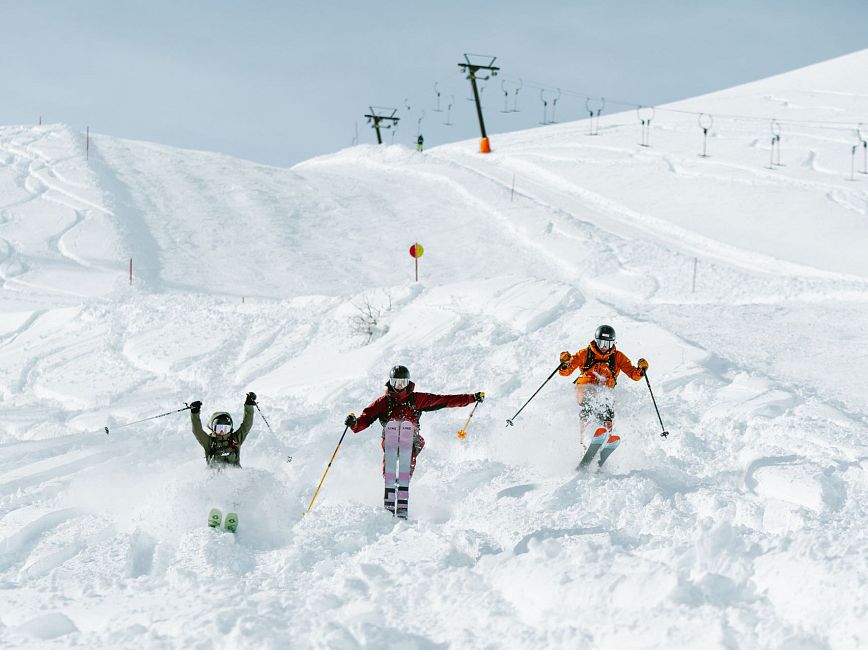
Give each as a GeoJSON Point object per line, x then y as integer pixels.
{"type": "Point", "coordinates": [610, 446]}
{"type": "Point", "coordinates": [405, 454]}
{"type": "Point", "coordinates": [214, 518]}
{"type": "Point", "coordinates": [596, 442]}
{"type": "Point", "coordinates": [231, 522]}
{"type": "Point", "coordinates": [390, 447]}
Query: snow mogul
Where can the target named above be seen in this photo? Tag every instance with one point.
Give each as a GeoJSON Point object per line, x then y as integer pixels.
{"type": "Point", "coordinates": [399, 411]}
{"type": "Point", "coordinates": [222, 445]}
{"type": "Point", "coordinates": [600, 364]}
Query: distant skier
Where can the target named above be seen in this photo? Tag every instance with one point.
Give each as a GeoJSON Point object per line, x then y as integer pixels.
{"type": "Point", "coordinates": [420, 141]}
{"type": "Point", "coordinates": [600, 364]}
{"type": "Point", "coordinates": [222, 445]}
{"type": "Point", "coordinates": [399, 411]}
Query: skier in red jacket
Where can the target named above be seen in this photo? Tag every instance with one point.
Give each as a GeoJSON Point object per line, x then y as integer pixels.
{"type": "Point", "coordinates": [399, 411]}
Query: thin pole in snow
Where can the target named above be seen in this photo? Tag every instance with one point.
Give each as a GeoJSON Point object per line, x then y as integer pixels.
{"type": "Point", "coordinates": [706, 121]}
{"type": "Point", "coordinates": [416, 251]}
{"type": "Point", "coordinates": [595, 108]}
{"type": "Point", "coordinates": [131, 271]}
{"type": "Point", "coordinates": [695, 263]}
{"type": "Point", "coordinates": [512, 191]}
{"type": "Point", "coordinates": [646, 114]}
{"type": "Point", "coordinates": [853, 162]}
{"type": "Point", "coordinates": [555, 105]}
{"type": "Point", "coordinates": [863, 139]}
{"type": "Point", "coordinates": [545, 103]}
{"type": "Point", "coordinates": [87, 145]}
{"type": "Point", "coordinates": [775, 156]}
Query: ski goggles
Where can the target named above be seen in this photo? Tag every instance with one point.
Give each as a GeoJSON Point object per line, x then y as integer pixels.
{"type": "Point", "coordinates": [398, 384]}
{"type": "Point", "coordinates": [604, 344]}
{"type": "Point", "coordinates": [222, 429]}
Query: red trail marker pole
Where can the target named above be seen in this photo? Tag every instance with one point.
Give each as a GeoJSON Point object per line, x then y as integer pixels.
{"type": "Point", "coordinates": [416, 251]}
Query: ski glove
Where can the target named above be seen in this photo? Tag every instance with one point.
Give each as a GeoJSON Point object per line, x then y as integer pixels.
{"type": "Point", "coordinates": [479, 397]}
{"type": "Point", "coordinates": [351, 420]}
{"type": "Point", "coordinates": [251, 399]}
{"type": "Point", "coordinates": [195, 407]}
{"type": "Point", "coordinates": [642, 365]}
{"type": "Point", "coordinates": [566, 357]}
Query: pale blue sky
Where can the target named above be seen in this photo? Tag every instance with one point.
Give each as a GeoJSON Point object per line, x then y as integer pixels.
{"type": "Point", "coordinates": [279, 82]}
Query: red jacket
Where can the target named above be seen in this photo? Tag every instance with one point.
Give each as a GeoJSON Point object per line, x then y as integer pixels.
{"type": "Point", "coordinates": [406, 405]}
{"type": "Point", "coordinates": [605, 368]}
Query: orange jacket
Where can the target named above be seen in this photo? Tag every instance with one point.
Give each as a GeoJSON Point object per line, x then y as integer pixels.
{"type": "Point", "coordinates": [600, 372]}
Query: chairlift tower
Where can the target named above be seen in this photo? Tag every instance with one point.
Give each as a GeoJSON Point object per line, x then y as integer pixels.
{"type": "Point", "coordinates": [381, 117]}
{"type": "Point", "coordinates": [472, 69]}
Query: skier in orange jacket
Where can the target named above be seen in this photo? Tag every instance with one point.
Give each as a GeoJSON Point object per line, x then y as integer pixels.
{"type": "Point", "coordinates": [600, 363]}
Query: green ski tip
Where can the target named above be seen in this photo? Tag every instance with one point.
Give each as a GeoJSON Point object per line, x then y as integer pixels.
{"type": "Point", "coordinates": [214, 518]}
{"type": "Point", "coordinates": [231, 522]}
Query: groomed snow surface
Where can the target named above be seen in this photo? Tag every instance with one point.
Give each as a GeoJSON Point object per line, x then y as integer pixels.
{"type": "Point", "coordinates": [744, 529]}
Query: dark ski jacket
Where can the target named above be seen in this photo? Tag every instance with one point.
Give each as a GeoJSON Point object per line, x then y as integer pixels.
{"type": "Point", "coordinates": [223, 450]}
{"type": "Point", "coordinates": [407, 405]}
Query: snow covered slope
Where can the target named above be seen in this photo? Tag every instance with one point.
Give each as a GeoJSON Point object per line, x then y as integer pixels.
{"type": "Point", "coordinates": [744, 529]}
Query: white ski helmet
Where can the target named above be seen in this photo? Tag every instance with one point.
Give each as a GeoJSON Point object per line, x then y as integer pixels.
{"type": "Point", "coordinates": [219, 423]}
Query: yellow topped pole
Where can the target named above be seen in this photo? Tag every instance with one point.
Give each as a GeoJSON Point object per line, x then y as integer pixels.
{"type": "Point", "coordinates": [326, 471]}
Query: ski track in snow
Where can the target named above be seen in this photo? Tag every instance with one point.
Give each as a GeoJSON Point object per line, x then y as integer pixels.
{"type": "Point", "coordinates": [743, 529]}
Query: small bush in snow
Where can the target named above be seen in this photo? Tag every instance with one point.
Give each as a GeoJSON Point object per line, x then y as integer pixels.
{"type": "Point", "coordinates": [368, 319]}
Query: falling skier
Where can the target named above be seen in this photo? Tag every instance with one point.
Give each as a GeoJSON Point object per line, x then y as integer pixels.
{"type": "Point", "coordinates": [222, 445]}
{"type": "Point", "coordinates": [600, 364]}
{"type": "Point", "coordinates": [399, 411]}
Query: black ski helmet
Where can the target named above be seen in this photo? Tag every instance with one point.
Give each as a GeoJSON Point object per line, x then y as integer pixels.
{"type": "Point", "coordinates": [399, 378]}
{"type": "Point", "coordinates": [399, 372]}
{"type": "Point", "coordinates": [605, 333]}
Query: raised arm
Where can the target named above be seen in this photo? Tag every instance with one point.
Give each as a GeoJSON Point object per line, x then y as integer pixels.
{"type": "Point", "coordinates": [196, 422]}
{"type": "Point", "coordinates": [247, 423]}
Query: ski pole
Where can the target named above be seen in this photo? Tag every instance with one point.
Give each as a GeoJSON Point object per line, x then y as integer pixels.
{"type": "Point", "coordinates": [326, 471]}
{"type": "Point", "coordinates": [664, 433]}
{"type": "Point", "coordinates": [154, 417]}
{"type": "Point", "coordinates": [509, 422]}
{"type": "Point", "coordinates": [462, 432]}
{"type": "Point", "coordinates": [263, 417]}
